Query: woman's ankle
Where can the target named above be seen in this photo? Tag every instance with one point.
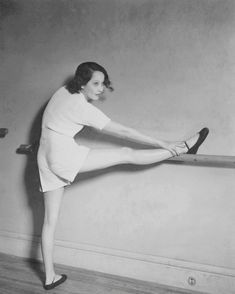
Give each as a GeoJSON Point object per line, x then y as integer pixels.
{"type": "Point", "coordinates": [49, 278]}
{"type": "Point", "coordinates": [191, 141]}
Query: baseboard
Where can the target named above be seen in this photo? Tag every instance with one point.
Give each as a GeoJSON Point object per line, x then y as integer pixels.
{"type": "Point", "coordinates": [174, 273]}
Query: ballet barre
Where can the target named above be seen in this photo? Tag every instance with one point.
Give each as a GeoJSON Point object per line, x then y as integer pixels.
{"type": "Point", "coordinates": [203, 159]}
{"type": "Point", "coordinates": [199, 159]}
{"type": "Point", "coordinates": [3, 132]}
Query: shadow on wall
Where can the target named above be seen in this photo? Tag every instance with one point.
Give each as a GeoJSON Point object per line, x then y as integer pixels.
{"type": "Point", "coordinates": [34, 196]}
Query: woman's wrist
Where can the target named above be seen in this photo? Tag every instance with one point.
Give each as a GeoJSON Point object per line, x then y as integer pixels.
{"type": "Point", "coordinates": [160, 143]}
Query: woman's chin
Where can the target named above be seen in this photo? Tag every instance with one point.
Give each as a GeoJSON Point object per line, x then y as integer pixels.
{"type": "Point", "coordinates": [96, 97]}
{"type": "Point", "coordinates": [93, 98]}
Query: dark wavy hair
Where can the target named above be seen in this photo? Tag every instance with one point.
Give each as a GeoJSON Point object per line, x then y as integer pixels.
{"type": "Point", "coordinates": [83, 75]}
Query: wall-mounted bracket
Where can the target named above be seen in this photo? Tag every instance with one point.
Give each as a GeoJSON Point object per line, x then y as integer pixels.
{"type": "Point", "coordinates": [3, 132]}
{"type": "Point", "coordinates": [27, 148]}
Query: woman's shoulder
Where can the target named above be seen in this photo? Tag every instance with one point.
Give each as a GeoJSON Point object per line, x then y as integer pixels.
{"type": "Point", "coordinates": [62, 94]}
{"type": "Point", "coordinates": [62, 91]}
{"type": "Point", "coordinates": [64, 98]}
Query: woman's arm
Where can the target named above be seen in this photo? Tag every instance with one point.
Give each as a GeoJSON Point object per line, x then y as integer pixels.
{"type": "Point", "coordinates": [121, 131]}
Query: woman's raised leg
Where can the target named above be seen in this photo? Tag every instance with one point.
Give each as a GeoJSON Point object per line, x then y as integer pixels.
{"type": "Point", "coordinates": [103, 158]}
{"type": "Point", "coordinates": [52, 202]}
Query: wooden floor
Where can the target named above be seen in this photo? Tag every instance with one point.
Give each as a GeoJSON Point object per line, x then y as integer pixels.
{"type": "Point", "coordinates": [21, 276]}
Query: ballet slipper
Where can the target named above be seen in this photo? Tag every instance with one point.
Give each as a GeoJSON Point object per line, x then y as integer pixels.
{"type": "Point", "coordinates": [55, 284]}
{"type": "Point", "coordinates": [202, 136]}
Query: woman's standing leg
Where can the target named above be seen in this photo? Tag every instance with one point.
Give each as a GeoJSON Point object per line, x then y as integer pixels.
{"type": "Point", "coordinates": [52, 202]}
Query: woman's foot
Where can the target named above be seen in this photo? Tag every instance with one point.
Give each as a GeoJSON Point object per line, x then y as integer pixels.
{"type": "Point", "coordinates": [193, 145]}
{"type": "Point", "coordinates": [57, 280]}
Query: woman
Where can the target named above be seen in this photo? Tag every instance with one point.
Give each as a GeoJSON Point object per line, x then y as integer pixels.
{"type": "Point", "coordinates": [60, 158]}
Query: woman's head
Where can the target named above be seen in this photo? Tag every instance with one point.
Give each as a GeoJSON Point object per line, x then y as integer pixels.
{"type": "Point", "coordinates": [86, 72]}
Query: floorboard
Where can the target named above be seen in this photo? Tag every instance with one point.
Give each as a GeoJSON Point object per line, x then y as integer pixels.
{"type": "Point", "coordinates": [23, 276]}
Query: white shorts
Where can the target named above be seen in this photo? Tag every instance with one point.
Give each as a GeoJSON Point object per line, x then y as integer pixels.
{"type": "Point", "coordinates": [59, 160]}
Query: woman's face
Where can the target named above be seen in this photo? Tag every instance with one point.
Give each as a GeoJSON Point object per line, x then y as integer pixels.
{"type": "Point", "coordinates": [95, 87]}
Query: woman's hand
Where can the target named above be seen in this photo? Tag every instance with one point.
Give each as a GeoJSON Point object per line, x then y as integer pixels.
{"type": "Point", "coordinates": [173, 147]}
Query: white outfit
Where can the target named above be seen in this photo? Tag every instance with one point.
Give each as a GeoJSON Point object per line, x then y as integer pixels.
{"type": "Point", "coordinates": [59, 156]}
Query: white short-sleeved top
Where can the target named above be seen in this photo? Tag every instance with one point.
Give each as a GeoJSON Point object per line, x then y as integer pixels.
{"type": "Point", "coordinates": [68, 113]}
{"type": "Point", "coordinates": [59, 156]}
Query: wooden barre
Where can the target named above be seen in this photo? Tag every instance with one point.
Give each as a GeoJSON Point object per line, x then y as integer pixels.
{"type": "Point", "coordinates": [218, 160]}
{"type": "Point", "coordinates": [221, 160]}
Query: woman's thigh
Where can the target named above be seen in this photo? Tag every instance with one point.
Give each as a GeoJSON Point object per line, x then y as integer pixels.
{"type": "Point", "coordinates": [103, 158]}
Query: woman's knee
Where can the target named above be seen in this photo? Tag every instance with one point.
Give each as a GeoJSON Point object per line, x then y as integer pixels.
{"type": "Point", "coordinates": [52, 202]}
{"type": "Point", "coordinates": [127, 154]}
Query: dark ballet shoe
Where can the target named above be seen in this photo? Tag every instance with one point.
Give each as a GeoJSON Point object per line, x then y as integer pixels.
{"type": "Point", "coordinates": [55, 284]}
{"type": "Point", "coordinates": [202, 136]}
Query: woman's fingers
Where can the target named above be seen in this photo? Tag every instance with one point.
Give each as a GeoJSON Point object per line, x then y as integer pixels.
{"type": "Point", "coordinates": [173, 151]}
{"type": "Point", "coordinates": [175, 148]}
{"type": "Point", "coordinates": [180, 144]}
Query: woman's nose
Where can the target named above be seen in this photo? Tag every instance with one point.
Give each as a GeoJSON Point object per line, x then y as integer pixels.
{"type": "Point", "coordinates": [101, 89]}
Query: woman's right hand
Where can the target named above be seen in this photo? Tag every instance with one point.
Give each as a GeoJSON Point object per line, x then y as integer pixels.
{"type": "Point", "coordinates": [175, 148]}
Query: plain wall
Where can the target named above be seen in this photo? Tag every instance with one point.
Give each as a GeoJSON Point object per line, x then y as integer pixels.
{"type": "Point", "coordinates": [172, 67]}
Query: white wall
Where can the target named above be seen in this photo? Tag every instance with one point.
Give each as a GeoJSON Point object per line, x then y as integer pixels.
{"type": "Point", "coordinates": [172, 65]}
